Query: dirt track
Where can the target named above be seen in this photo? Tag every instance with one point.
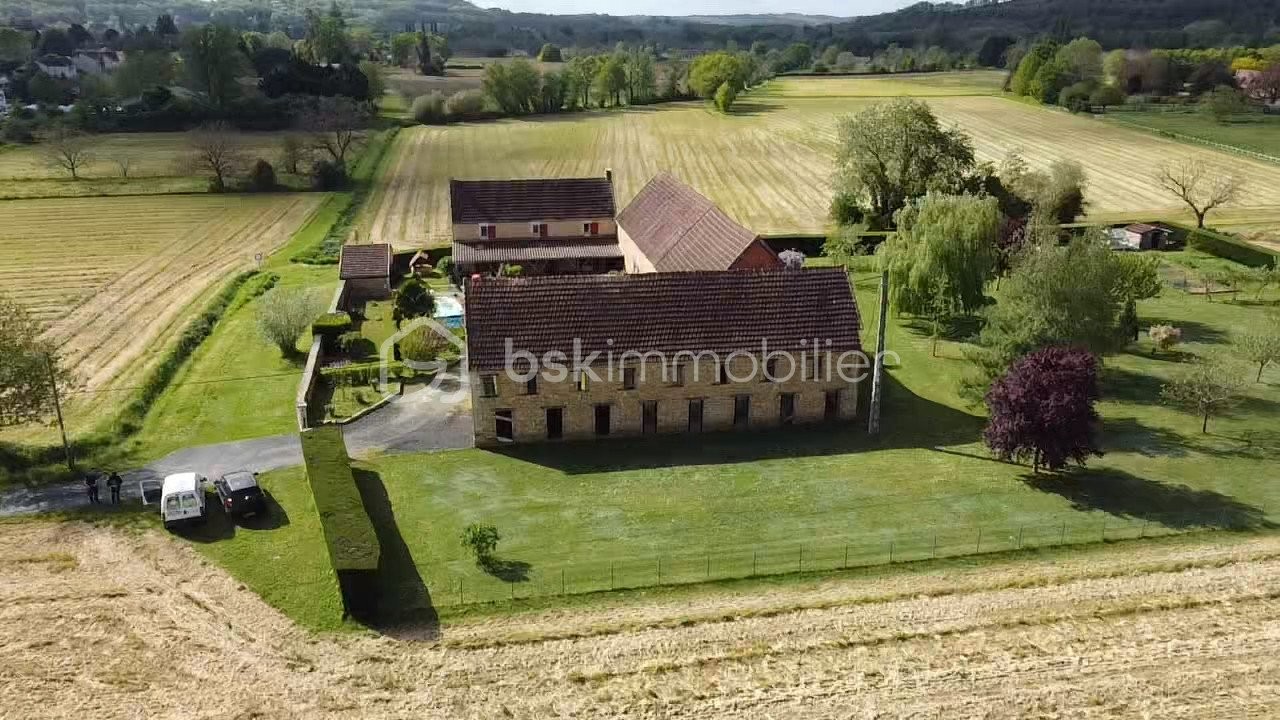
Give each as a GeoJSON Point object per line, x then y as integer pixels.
{"type": "Point", "coordinates": [98, 623]}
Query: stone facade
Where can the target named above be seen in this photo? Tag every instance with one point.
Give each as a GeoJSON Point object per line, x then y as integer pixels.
{"type": "Point", "coordinates": [626, 407]}
{"type": "Point", "coordinates": [369, 288]}
{"type": "Point", "coordinates": [470, 232]}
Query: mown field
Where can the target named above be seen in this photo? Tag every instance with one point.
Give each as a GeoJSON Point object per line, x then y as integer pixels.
{"type": "Point", "coordinates": [1254, 132]}
{"type": "Point", "coordinates": [769, 164]}
{"type": "Point", "coordinates": [158, 163]}
{"type": "Point", "coordinates": [113, 278]}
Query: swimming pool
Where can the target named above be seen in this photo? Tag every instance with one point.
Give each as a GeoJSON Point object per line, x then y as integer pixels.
{"type": "Point", "coordinates": [448, 311]}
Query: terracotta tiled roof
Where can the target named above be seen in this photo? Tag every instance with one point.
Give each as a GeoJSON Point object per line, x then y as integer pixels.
{"type": "Point", "coordinates": [1141, 228]}
{"type": "Point", "coordinates": [668, 312]}
{"type": "Point", "coordinates": [365, 261]}
{"type": "Point", "coordinates": [497, 201]}
{"type": "Point", "coordinates": [680, 230]}
{"type": "Point", "coordinates": [541, 249]}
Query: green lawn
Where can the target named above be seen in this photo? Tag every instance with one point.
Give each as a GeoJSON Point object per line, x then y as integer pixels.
{"type": "Point", "coordinates": [590, 514]}
{"type": "Point", "coordinates": [1255, 132]}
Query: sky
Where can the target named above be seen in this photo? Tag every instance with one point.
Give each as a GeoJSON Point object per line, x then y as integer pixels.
{"type": "Point", "coordinates": [841, 8]}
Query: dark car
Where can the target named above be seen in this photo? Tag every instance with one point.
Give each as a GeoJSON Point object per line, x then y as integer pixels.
{"type": "Point", "coordinates": [239, 494]}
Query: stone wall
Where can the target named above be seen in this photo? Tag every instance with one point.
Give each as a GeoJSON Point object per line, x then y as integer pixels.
{"type": "Point", "coordinates": [626, 406]}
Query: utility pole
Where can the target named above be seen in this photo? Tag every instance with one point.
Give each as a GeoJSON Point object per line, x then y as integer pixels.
{"type": "Point", "coordinates": [57, 406]}
{"type": "Point", "coordinates": [877, 376]}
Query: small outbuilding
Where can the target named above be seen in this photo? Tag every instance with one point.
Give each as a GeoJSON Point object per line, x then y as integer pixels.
{"type": "Point", "coordinates": [366, 270]}
{"type": "Point", "coordinates": [1141, 236]}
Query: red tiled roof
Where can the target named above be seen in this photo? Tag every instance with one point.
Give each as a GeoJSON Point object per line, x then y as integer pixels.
{"type": "Point", "coordinates": [680, 230]}
{"type": "Point", "coordinates": [1141, 228]}
{"type": "Point", "coordinates": [489, 251]}
{"type": "Point", "coordinates": [667, 312]}
{"type": "Point", "coordinates": [365, 261]}
{"type": "Point", "coordinates": [495, 201]}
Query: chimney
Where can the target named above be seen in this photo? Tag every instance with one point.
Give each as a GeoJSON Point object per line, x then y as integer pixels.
{"type": "Point", "coordinates": [608, 175]}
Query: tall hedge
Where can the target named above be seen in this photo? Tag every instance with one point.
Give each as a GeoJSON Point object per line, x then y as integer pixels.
{"type": "Point", "coordinates": [353, 545]}
{"type": "Point", "coordinates": [1230, 248]}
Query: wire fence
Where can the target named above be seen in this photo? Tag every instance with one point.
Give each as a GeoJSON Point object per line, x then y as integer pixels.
{"type": "Point", "coordinates": [1183, 137]}
{"type": "Point", "coordinates": [509, 580]}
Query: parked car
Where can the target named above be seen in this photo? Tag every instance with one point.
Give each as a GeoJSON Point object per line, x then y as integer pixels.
{"type": "Point", "coordinates": [182, 500]}
{"type": "Point", "coordinates": [239, 493]}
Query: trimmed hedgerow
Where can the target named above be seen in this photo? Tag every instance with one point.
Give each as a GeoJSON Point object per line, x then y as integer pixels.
{"type": "Point", "coordinates": [352, 541]}
{"type": "Point", "coordinates": [1230, 248]}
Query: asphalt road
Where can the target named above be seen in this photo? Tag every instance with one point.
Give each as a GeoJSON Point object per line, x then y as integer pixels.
{"type": "Point", "coordinates": [420, 421]}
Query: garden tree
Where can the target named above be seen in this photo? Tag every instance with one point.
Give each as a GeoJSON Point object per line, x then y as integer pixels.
{"type": "Point", "coordinates": [725, 97]}
{"type": "Point", "coordinates": [554, 93]}
{"type": "Point", "coordinates": [1261, 345]}
{"type": "Point", "coordinates": [893, 152]}
{"type": "Point", "coordinates": [642, 75]}
{"type": "Point", "coordinates": [429, 109]}
{"type": "Point", "coordinates": [284, 314]}
{"type": "Point", "coordinates": [432, 51]}
{"type": "Point", "coordinates": [424, 345]}
{"type": "Point", "coordinates": [1069, 296]}
{"type": "Point", "coordinates": [482, 540]}
{"type": "Point", "coordinates": [513, 86]}
{"type": "Point", "coordinates": [791, 259]}
{"type": "Point", "coordinates": [404, 49]}
{"type": "Point", "coordinates": [674, 80]}
{"type": "Point", "coordinates": [293, 153]}
{"type": "Point", "coordinates": [581, 72]}
{"type": "Point", "coordinates": [326, 36]}
{"type": "Point", "coordinates": [796, 56]}
{"type": "Point", "coordinates": [1267, 83]}
{"type": "Point", "coordinates": [845, 244]}
{"type": "Point", "coordinates": [215, 148]}
{"type": "Point", "coordinates": [943, 254]}
{"type": "Point", "coordinates": [464, 104]}
{"type": "Point", "coordinates": [1029, 67]}
{"type": "Point", "coordinates": [1042, 409]}
{"type": "Point", "coordinates": [1200, 186]}
{"type": "Point", "coordinates": [66, 149]}
{"type": "Point", "coordinates": [1106, 96]}
{"type": "Point", "coordinates": [372, 72]}
{"type": "Point", "coordinates": [550, 53]}
{"type": "Point", "coordinates": [1127, 328]}
{"type": "Point", "coordinates": [1163, 337]}
{"type": "Point", "coordinates": [412, 299]}
{"type": "Point", "coordinates": [1224, 103]}
{"type": "Point", "coordinates": [50, 90]}
{"type": "Point", "coordinates": [212, 62]}
{"type": "Point", "coordinates": [335, 124]}
{"type": "Point", "coordinates": [1209, 75]}
{"type": "Point", "coordinates": [1082, 60]}
{"type": "Point", "coordinates": [1075, 97]}
{"type": "Point", "coordinates": [1049, 81]}
{"type": "Point", "coordinates": [1206, 387]}
{"type": "Point", "coordinates": [56, 41]}
{"type": "Point", "coordinates": [28, 363]}
{"type": "Point", "coordinates": [142, 71]}
{"type": "Point", "coordinates": [611, 80]}
{"type": "Point", "coordinates": [15, 45]}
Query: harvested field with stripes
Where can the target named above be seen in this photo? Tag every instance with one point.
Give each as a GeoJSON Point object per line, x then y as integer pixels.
{"type": "Point", "coordinates": [113, 277]}
{"type": "Point", "coordinates": [769, 164]}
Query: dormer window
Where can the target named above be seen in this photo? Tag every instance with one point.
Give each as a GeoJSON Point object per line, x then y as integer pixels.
{"type": "Point", "coordinates": [591, 228]}
{"type": "Point", "coordinates": [538, 230]}
{"type": "Point", "coordinates": [488, 232]}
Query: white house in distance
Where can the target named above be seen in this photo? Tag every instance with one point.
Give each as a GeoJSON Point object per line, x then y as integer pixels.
{"type": "Point", "coordinates": [57, 66]}
{"type": "Point", "coordinates": [97, 62]}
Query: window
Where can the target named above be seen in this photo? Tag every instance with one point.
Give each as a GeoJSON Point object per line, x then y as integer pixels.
{"type": "Point", "coordinates": [817, 368]}
{"type": "Point", "coordinates": [531, 386]}
{"type": "Point", "coordinates": [831, 405]}
{"type": "Point", "coordinates": [603, 417]}
{"type": "Point", "coordinates": [628, 378]}
{"type": "Point", "coordinates": [741, 410]}
{"type": "Point", "coordinates": [488, 232]}
{"type": "Point", "coordinates": [722, 373]}
{"type": "Point", "coordinates": [649, 417]}
{"type": "Point", "coordinates": [677, 375]}
{"type": "Point", "coordinates": [555, 423]}
{"type": "Point", "coordinates": [538, 229]}
{"type": "Point", "coordinates": [770, 370]}
{"type": "Point", "coordinates": [695, 415]}
{"type": "Point", "coordinates": [489, 386]}
{"type": "Point", "coordinates": [504, 426]}
{"type": "Point", "coordinates": [582, 382]}
{"type": "Point", "coordinates": [591, 228]}
{"type": "Point", "coordinates": [787, 408]}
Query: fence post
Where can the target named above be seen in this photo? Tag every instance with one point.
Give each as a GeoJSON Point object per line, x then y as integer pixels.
{"type": "Point", "coordinates": [846, 557]}
{"type": "Point", "coordinates": [801, 558]}
{"type": "Point", "coordinates": [562, 592]}
{"type": "Point", "coordinates": [890, 552]}
{"type": "Point", "coordinates": [1144, 528]}
{"type": "Point", "coordinates": [1063, 539]}
{"type": "Point", "coordinates": [935, 545]}
{"type": "Point", "coordinates": [513, 589]}
{"type": "Point", "coordinates": [753, 563]}
{"type": "Point", "coordinates": [1020, 529]}
{"type": "Point", "coordinates": [978, 548]}
{"type": "Point", "coordinates": [1104, 529]}
{"type": "Point", "coordinates": [708, 566]}
{"type": "Point", "coordinates": [659, 570]}
{"type": "Point", "coordinates": [610, 574]}
{"type": "Point", "coordinates": [460, 602]}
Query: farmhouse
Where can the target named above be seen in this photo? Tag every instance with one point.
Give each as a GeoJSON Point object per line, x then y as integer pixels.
{"type": "Point", "coordinates": [669, 227]}
{"type": "Point", "coordinates": [675, 353]}
{"type": "Point", "coordinates": [97, 62]}
{"type": "Point", "coordinates": [57, 66]}
{"type": "Point", "coordinates": [546, 226]}
{"type": "Point", "coordinates": [367, 270]}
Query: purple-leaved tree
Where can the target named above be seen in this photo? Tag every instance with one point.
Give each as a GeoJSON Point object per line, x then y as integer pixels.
{"type": "Point", "coordinates": [1042, 409]}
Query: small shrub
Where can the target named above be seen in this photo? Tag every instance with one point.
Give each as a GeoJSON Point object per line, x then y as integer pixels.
{"type": "Point", "coordinates": [550, 53]}
{"type": "Point", "coordinates": [791, 259]}
{"type": "Point", "coordinates": [349, 341]}
{"type": "Point", "coordinates": [262, 177]}
{"type": "Point", "coordinates": [285, 313]}
{"type": "Point", "coordinates": [332, 324]}
{"type": "Point", "coordinates": [429, 109]}
{"type": "Point", "coordinates": [820, 68]}
{"type": "Point", "coordinates": [512, 271]}
{"type": "Point", "coordinates": [1164, 337]}
{"type": "Point", "coordinates": [423, 345]}
{"type": "Point", "coordinates": [327, 175]}
{"type": "Point", "coordinates": [725, 95]}
{"type": "Point", "coordinates": [464, 104]}
{"type": "Point", "coordinates": [413, 299]}
{"type": "Point", "coordinates": [445, 266]}
{"type": "Point", "coordinates": [482, 539]}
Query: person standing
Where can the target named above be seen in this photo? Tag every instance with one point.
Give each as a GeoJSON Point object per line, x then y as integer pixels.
{"type": "Point", "coordinates": [114, 482]}
{"type": "Point", "coordinates": [91, 484]}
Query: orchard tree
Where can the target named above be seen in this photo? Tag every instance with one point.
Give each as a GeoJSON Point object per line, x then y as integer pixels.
{"type": "Point", "coordinates": [894, 152]}
{"type": "Point", "coordinates": [1207, 387]}
{"type": "Point", "coordinates": [216, 149]}
{"type": "Point", "coordinates": [284, 314]}
{"type": "Point", "coordinates": [1200, 186]}
{"type": "Point", "coordinates": [28, 363]}
{"type": "Point", "coordinates": [67, 149]}
{"type": "Point", "coordinates": [335, 124]}
{"type": "Point", "coordinates": [1224, 103]}
{"type": "Point", "coordinates": [1261, 346]}
{"type": "Point", "coordinates": [1164, 337]}
{"type": "Point", "coordinates": [1041, 409]}
{"type": "Point", "coordinates": [708, 72]}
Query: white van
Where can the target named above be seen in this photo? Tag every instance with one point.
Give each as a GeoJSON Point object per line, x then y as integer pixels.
{"type": "Point", "coordinates": [182, 500]}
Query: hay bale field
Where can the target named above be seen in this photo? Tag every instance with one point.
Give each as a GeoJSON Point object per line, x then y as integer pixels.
{"type": "Point", "coordinates": [112, 276]}
{"type": "Point", "coordinates": [769, 164]}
